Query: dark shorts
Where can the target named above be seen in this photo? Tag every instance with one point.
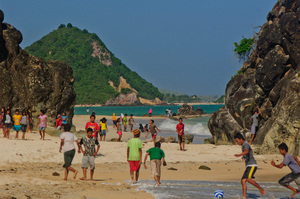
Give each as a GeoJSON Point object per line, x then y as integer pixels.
{"type": "Point", "coordinates": [181, 138]}
{"type": "Point", "coordinates": [23, 128]}
{"type": "Point", "coordinates": [68, 156]}
{"type": "Point", "coordinates": [249, 172]}
{"type": "Point", "coordinates": [30, 123]}
{"type": "Point", "coordinates": [115, 122]}
{"type": "Point", "coordinates": [8, 126]}
{"type": "Point", "coordinates": [154, 135]}
{"type": "Point", "coordinates": [287, 179]}
{"type": "Point", "coordinates": [134, 166]}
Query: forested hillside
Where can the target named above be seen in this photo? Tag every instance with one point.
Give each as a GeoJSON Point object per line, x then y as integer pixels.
{"type": "Point", "coordinates": [97, 71]}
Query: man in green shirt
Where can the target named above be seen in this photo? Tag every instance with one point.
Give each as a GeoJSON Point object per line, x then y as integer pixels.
{"type": "Point", "coordinates": [134, 155]}
{"type": "Point", "coordinates": [156, 155]}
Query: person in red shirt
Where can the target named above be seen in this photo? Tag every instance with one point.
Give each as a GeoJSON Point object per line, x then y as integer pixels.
{"type": "Point", "coordinates": [93, 125]}
{"type": "Point", "coordinates": [58, 122]}
{"type": "Point", "coordinates": [180, 131]}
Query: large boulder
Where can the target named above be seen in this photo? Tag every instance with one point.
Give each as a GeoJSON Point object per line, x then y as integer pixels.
{"type": "Point", "coordinates": [29, 81]}
{"type": "Point", "coordinates": [186, 109]}
{"type": "Point", "coordinates": [269, 80]}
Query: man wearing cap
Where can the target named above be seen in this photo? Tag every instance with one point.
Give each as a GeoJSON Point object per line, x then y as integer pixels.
{"type": "Point", "coordinates": [134, 155]}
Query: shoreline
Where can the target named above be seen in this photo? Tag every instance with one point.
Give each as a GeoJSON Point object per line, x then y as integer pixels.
{"type": "Point", "coordinates": [168, 104]}
{"type": "Point", "coordinates": [33, 167]}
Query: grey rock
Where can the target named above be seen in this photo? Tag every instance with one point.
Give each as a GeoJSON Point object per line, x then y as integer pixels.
{"type": "Point", "coordinates": [269, 80]}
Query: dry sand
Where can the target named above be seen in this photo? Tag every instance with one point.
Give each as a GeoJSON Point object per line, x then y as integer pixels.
{"type": "Point", "coordinates": [27, 167]}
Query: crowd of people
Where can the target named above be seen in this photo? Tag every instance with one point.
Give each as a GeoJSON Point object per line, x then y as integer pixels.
{"type": "Point", "coordinates": [16, 121]}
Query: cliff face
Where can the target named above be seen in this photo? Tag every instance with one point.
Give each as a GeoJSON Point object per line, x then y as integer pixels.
{"type": "Point", "coordinates": [270, 80]}
{"type": "Point", "coordinates": [29, 81]}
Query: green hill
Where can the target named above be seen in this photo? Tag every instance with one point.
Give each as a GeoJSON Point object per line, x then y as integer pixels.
{"type": "Point", "coordinates": [97, 71]}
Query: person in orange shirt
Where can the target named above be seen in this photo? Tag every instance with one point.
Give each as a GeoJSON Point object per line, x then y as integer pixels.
{"type": "Point", "coordinates": [114, 118]}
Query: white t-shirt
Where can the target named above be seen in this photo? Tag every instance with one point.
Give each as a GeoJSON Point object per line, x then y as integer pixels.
{"type": "Point", "coordinates": [69, 139]}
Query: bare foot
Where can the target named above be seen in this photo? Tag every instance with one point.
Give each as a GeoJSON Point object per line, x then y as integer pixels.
{"type": "Point", "coordinates": [297, 191]}
{"type": "Point", "coordinates": [65, 179]}
{"type": "Point", "coordinates": [92, 179]}
{"type": "Point", "coordinates": [82, 178]}
{"type": "Point", "coordinates": [244, 197]}
{"type": "Point", "coordinates": [75, 174]}
{"type": "Point", "coordinates": [262, 192]}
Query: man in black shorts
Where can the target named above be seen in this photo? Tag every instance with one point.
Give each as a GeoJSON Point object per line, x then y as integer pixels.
{"type": "Point", "coordinates": [251, 165]}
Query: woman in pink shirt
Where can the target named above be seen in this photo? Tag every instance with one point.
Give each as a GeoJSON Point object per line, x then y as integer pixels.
{"type": "Point", "coordinates": [42, 124]}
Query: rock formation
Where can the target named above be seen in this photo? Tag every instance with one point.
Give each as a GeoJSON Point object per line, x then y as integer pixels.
{"type": "Point", "coordinates": [29, 81]}
{"type": "Point", "coordinates": [186, 109]}
{"type": "Point", "coordinates": [269, 80]}
{"type": "Point", "coordinates": [125, 100]}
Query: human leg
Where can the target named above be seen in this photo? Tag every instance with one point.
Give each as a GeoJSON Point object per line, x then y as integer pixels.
{"type": "Point", "coordinates": [254, 183]}
{"type": "Point", "coordinates": [287, 179]}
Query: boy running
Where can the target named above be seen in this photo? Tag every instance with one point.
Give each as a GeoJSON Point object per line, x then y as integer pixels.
{"type": "Point", "coordinates": [180, 131]}
{"type": "Point", "coordinates": [89, 153]}
{"type": "Point", "coordinates": [131, 121]}
{"type": "Point", "coordinates": [93, 125]}
{"type": "Point", "coordinates": [251, 165]}
{"type": "Point", "coordinates": [17, 126]}
{"type": "Point", "coordinates": [152, 130]}
{"type": "Point", "coordinates": [156, 155]}
{"type": "Point", "coordinates": [294, 164]}
{"type": "Point", "coordinates": [134, 155]}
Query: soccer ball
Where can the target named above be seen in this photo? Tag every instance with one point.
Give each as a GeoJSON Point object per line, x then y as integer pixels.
{"type": "Point", "coordinates": [219, 194]}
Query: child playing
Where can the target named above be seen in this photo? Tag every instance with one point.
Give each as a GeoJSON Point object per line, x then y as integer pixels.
{"type": "Point", "coordinates": [58, 122]}
{"type": "Point", "coordinates": [93, 125]}
{"type": "Point", "coordinates": [30, 123]}
{"type": "Point", "coordinates": [104, 129]}
{"type": "Point", "coordinates": [42, 124]}
{"type": "Point", "coordinates": [119, 129]}
{"type": "Point", "coordinates": [89, 153]}
{"type": "Point", "coordinates": [134, 155]}
{"type": "Point", "coordinates": [156, 155]}
{"type": "Point", "coordinates": [114, 118]}
{"type": "Point", "coordinates": [130, 122]}
{"type": "Point", "coordinates": [180, 131]}
{"type": "Point", "coordinates": [67, 142]}
{"type": "Point", "coordinates": [254, 126]}
{"type": "Point", "coordinates": [24, 123]}
{"type": "Point", "coordinates": [17, 126]}
{"type": "Point", "coordinates": [7, 123]}
{"type": "Point", "coordinates": [125, 122]}
{"type": "Point", "coordinates": [152, 130]}
{"type": "Point", "coordinates": [251, 165]}
{"type": "Point", "coordinates": [64, 119]}
{"type": "Point", "coordinates": [294, 164]}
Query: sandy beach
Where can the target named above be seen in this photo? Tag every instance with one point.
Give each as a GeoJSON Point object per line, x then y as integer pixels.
{"type": "Point", "coordinates": [27, 167]}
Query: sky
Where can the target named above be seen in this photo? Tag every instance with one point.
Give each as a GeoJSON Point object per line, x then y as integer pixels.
{"type": "Point", "coordinates": [180, 45]}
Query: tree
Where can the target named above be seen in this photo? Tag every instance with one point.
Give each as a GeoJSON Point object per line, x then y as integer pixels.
{"type": "Point", "coordinates": [244, 48]}
{"type": "Point", "coordinates": [61, 26]}
{"type": "Point", "coordinates": [69, 25]}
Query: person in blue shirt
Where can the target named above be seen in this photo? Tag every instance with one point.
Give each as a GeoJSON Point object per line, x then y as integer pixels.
{"type": "Point", "coordinates": [64, 120]}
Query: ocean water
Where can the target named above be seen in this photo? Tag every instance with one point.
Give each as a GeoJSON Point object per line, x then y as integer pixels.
{"type": "Point", "coordinates": [195, 126]}
{"type": "Point", "coordinates": [140, 110]}
{"type": "Point", "coordinates": [206, 189]}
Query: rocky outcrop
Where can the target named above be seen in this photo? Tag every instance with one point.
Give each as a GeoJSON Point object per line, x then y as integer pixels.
{"type": "Point", "coordinates": [29, 81]}
{"type": "Point", "coordinates": [269, 80]}
{"type": "Point", "coordinates": [186, 110]}
{"type": "Point", "coordinates": [124, 100]}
